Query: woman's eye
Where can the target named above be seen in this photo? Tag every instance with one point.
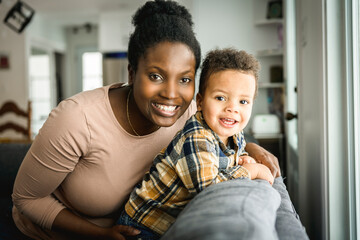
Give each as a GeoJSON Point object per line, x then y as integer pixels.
{"type": "Point", "coordinates": [244, 102]}
{"type": "Point", "coordinates": [185, 80]}
{"type": "Point", "coordinates": [155, 77]}
{"type": "Point", "coordinates": [220, 98]}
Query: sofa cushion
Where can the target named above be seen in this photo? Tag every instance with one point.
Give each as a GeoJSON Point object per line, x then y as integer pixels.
{"type": "Point", "coordinates": [236, 209]}
{"type": "Point", "coordinates": [11, 156]}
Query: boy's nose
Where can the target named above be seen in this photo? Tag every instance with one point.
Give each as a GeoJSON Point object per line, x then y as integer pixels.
{"type": "Point", "coordinates": [232, 108]}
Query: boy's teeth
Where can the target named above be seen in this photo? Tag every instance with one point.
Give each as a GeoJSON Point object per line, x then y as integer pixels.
{"type": "Point", "coordinates": [166, 108]}
{"type": "Point", "coordinates": [228, 121]}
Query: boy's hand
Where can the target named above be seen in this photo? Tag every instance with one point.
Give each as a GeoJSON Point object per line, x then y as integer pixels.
{"type": "Point", "coordinates": [265, 157]}
{"type": "Point", "coordinates": [245, 159]}
{"type": "Point", "coordinates": [259, 171]}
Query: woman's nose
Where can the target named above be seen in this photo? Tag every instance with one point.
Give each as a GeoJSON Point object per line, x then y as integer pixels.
{"type": "Point", "coordinates": [170, 90]}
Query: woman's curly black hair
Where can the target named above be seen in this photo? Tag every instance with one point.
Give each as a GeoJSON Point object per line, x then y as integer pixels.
{"type": "Point", "coordinates": [158, 21]}
{"type": "Point", "coordinates": [228, 59]}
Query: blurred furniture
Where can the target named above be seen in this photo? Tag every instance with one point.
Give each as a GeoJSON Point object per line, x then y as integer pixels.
{"type": "Point", "coordinates": [11, 157]}
{"type": "Point", "coordinates": [11, 107]}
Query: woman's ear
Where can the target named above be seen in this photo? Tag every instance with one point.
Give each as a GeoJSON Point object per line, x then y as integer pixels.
{"type": "Point", "coordinates": [131, 75]}
{"type": "Point", "coordinates": [199, 100]}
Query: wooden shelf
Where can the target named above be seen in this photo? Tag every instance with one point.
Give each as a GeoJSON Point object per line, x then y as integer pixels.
{"type": "Point", "coordinates": [271, 85]}
{"type": "Point", "coordinates": [270, 53]}
{"type": "Point", "coordinates": [268, 136]}
{"type": "Point", "coordinates": [268, 22]}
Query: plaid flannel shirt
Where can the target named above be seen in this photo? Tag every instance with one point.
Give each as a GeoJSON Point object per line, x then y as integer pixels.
{"type": "Point", "coordinates": [195, 159]}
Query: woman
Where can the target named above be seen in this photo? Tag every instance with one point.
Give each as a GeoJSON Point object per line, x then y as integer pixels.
{"type": "Point", "coordinates": [95, 146]}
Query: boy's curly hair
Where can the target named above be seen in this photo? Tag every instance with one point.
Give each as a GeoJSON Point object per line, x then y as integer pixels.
{"type": "Point", "coordinates": [228, 59]}
{"type": "Point", "coordinates": [158, 21]}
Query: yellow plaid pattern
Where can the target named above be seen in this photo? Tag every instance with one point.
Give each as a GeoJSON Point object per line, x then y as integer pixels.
{"type": "Point", "coordinates": [195, 159]}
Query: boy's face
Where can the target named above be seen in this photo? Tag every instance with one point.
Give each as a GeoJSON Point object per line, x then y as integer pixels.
{"type": "Point", "coordinates": [227, 102]}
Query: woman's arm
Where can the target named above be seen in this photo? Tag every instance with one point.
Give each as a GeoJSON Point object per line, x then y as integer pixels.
{"type": "Point", "coordinates": [263, 156]}
{"type": "Point", "coordinates": [71, 226]}
{"type": "Point", "coordinates": [52, 157]}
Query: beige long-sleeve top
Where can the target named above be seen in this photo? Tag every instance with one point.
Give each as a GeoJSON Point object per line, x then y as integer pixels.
{"type": "Point", "coordinates": [82, 159]}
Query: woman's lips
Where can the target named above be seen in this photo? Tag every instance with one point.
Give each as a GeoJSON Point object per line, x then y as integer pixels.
{"type": "Point", "coordinates": [166, 110]}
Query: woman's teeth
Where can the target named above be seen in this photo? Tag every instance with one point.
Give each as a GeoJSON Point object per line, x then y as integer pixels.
{"type": "Point", "coordinates": [165, 107]}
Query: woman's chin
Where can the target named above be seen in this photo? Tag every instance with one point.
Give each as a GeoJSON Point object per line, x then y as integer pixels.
{"type": "Point", "coordinates": [165, 121]}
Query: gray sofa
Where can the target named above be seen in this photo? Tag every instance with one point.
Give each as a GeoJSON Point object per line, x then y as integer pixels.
{"type": "Point", "coordinates": [239, 209]}
{"type": "Point", "coordinates": [11, 156]}
{"type": "Point", "coordinates": [201, 219]}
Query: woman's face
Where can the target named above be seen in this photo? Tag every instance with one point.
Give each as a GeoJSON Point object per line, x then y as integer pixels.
{"type": "Point", "coordinates": [164, 82]}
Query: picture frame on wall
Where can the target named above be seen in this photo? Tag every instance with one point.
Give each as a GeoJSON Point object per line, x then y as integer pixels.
{"type": "Point", "coordinates": [274, 10]}
{"type": "Point", "coordinates": [4, 61]}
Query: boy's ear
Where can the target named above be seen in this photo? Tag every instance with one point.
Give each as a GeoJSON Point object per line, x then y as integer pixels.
{"type": "Point", "coordinates": [131, 75]}
{"type": "Point", "coordinates": [199, 100]}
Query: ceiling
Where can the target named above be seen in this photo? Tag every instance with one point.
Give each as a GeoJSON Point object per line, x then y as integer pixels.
{"type": "Point", "coordinates": [73, 12]}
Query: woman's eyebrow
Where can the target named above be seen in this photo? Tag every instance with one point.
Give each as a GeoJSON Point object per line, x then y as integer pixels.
{"type": "Point", "coordinates": [158, 68]}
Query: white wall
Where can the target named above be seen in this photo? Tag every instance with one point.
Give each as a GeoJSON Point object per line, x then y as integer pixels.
{"type": "Point", "coordinates": [77, 43]}
{"type": "Point", "coordinates": [224, 24]}
{"type": "Point", "coordinates": [13, 81]}
{"type": "Point", "coordinates": [114, 31]}
{"type": "Point", "coordinates": [231, 24]}
{"type": "Point", "coordinates": [43, 30]}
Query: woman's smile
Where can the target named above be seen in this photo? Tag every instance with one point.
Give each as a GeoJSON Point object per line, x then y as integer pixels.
{"type": "Point", "coordinates": [166, 110]}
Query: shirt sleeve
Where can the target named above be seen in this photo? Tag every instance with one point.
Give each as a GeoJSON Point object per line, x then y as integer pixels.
{"type": "Point", "coordinates": [61, 141]}
{"type": "Point", "coordinates": [198, 166]}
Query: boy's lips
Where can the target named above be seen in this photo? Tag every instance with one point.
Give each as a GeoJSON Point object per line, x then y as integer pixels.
{"type": "Point", "coordinates": [167, 110]}
{"type": "Point", "coordinates": [228, 121]}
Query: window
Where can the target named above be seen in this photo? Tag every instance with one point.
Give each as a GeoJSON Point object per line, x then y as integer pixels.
{"type": "Point", "coordinates": [40, 88]}
{"type": "Point", "coordinates": [92, 70]}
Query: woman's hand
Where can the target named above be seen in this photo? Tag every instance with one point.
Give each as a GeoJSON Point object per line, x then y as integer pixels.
{"type": "Point", "coordinates": [264, 157]}
{"type": "Point", "coordinates": [71, 226]}
{"type": "Point", "coordinates": [119, 232]}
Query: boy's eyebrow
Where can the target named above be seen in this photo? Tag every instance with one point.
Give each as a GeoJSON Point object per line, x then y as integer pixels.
{"type": "Point", "coordinates": [222, 91]}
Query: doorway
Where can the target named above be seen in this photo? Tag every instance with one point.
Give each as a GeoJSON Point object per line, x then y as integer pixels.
{"type": "Point", "coordinates": [41, 87]}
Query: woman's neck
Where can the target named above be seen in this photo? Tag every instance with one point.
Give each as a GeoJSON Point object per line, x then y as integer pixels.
{"type": "Point", "coordinates": [128, 114]}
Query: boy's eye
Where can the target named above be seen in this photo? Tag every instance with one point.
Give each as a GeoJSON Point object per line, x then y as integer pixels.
{"type": "Point", "coordinates": [244, 102]}
{"type": "Point", "coordinates": [185, 80]}
{"type": "Point", "coordinates": [155, 77]}
{"type": "Point", "coordinates": [220, 98]}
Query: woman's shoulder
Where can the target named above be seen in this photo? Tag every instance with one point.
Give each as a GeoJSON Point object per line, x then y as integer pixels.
{"type": "Point", "coordinates": [90, 99]}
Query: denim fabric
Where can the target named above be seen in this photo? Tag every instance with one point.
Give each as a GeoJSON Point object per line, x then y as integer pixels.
{"type": "Point", "coordinates": [146, 233]}
{"type": "Point", "coordinates": [239, 209]}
